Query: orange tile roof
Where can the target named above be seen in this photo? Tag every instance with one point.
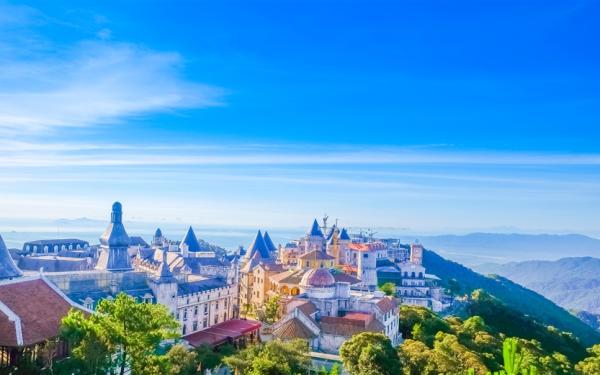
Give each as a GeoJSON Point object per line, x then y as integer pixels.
{"type": "Point", "coordinates": [363, 247]}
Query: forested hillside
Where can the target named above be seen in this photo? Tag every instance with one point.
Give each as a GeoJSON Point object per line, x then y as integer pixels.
{"type": "Point", "coordinates": [518, 298]}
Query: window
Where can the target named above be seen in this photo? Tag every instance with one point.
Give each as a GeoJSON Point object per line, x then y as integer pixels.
{"type": "Point", "coordinates": [205, 323]}
{"type": "Point", "coordinates": [184, 315]}
{"type": "Point", "coordinates": [195, 326]}
{"type": "Point", "coordinates": [195, 311]}
{"type": "Point", "coordinates": [205, 309]}
{"type": "Point", "coordinates": [184, 329]}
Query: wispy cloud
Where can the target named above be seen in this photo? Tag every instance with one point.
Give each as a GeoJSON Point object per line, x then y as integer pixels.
{"type": "Point", "coordinates": [91, 82]}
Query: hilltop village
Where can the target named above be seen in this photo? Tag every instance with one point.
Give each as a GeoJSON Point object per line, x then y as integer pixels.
{"type": "Point", "coordinates": [325, 284]}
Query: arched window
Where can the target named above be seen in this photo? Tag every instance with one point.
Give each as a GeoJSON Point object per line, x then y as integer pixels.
{"type": "Point", "coordinates": [420, 275]}
{"type": "Point", "coordinates": [55, 248]}
{"type": "Point", "coordinates": [412, 275]}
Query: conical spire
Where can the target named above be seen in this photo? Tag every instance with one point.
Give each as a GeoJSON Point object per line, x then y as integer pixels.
{"type": "Point", "coordinates": [164, 272]}
{"type": "Point", "coordinates": [8, 268]}
{"type": "Point", "coordinates": [269, 242]}
{"type": "Point", "coordinates": [191, 241]}
{"type": "Point", "coordinates": [259, 248]}
{"type": "Point", "coordinates": [316, 230]}
{"type": "Point", "coordinates": [344, 235]}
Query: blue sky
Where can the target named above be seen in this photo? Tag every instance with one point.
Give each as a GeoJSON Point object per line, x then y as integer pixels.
{"type": "Point", "coordinates": [428, 116]}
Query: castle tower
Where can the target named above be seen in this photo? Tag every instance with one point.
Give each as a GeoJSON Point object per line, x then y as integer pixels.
{"type": "Point", "coordinates": [164, 285]}
{"type": "Point", "coordinates": [189, 246]}
{"type": "Point", "coordinates": [416, 253]}
{"type": "Point", "coordinates": [114, 244]}
{"type": "Point", "coordinates": [333, 245]}
{"type": "Point", "coordinates": [315, 239]}
{"type": "Point", "coordinates": [158, 238]}
{"type": "Point", "coordinates": [343, 242]}
{"type": "Point", "coordinates": [367, 268]}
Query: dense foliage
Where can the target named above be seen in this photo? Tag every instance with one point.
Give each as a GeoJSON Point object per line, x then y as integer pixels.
{"type": "Point", "coordinates": [272, 358]}
{"type": "Point", "coordinates": [453, 345]}
{"type": "Point", "coordinates": [370, 353]}
{"type": "Point", "coordinates": [123, 334]}
{"type": "Point", "coordinates": [523, 301]}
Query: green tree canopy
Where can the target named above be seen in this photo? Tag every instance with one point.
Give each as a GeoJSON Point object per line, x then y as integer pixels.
{"type": "Point", "coordinates": [272, 358]}
{"type": "Point", "coordinates": [388, 288]}
{"type": "Point", "coordinates": [121, 334]}
{"type": "Point", "coordinates": [370, 353]}
{"type": "Point", "coordinates": [590, 365]}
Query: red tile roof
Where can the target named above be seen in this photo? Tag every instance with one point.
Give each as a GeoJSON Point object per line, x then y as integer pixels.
{"type": "Point", "coordinates": [31, 311]}
{"type": "Point", "coordinates": [387, 303]}
{"type": "Point", "coordinates": [366, 246]}
{"type": "Point", "coordinates": [222, 332]}
{"type": "Point", "coordinates": [347, 326]}
{"type": "Point", "coordinates": [293, 329]}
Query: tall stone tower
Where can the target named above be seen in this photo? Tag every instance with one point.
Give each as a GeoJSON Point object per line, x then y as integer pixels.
{"type": "Point", "coordinates": [114, 244]}
{"type": "Point", "coordinates": [367, 269]}
{"type": "Point", "coordinates": [416, 253]}
{"type": "Point", "coordinates": [164, 285]}
{"type": "Point", "coordinates": [343, 242]}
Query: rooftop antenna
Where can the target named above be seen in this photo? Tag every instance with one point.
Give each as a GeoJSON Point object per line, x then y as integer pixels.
{"type": "Point", "coordinates": [325, 217]}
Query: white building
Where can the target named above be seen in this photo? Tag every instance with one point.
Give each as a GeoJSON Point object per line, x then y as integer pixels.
{"type": "Point", "coordinates": [329, 313]}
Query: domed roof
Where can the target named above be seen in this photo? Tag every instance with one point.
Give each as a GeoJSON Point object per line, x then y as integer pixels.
{"type": "Point", "coordinates": [115, 234]}
{"type": "Point", "coordinates": [319, 278]}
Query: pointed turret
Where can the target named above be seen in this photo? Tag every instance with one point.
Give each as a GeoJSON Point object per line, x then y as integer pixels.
{"type": "Point", "coordinates": [270, 245]}
{"type": "Point", "coordinates": [190, 242]}
{"type": "Point", "coordinates": [315, 230]}
{"type": "Point", "coordinates": [114, 243]}
{"type": "Point", "coordinates": [331, 232]}
{"type": "Point", "coordinates": [344, 235]}
{"type": "Point", "coordinates": [8, 268]}
{"type": "Point", "coordinates": [258, 249]}
{"type": "Point", "coordinates": [164, 272]}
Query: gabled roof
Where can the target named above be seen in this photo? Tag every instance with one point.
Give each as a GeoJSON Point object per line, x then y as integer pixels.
{"type": "Point", "coordinates": [344, 235]}
{"type": "Point", "coordinates": [292, 329]}
{"type": "Point", "coordinates": [8, 268]}
{"type": "Point", "coordinates": [316, 255]}
{"type": "Point", "coordinates": [31, 311]}
{"type": "Point", "coordinates": [316, 230]}
{"type": "Point", "coordinates": [270, 245]}
{"type": "Point", "coordinates": [191, 241]}
{"type": "Point", "coordinates": [258, 249]}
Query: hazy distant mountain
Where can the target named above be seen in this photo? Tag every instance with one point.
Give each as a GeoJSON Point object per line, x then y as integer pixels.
{"type": "Point", "coordinates": [573, 283]}
{"type": "Point", "coordinates": [514, 295]}
{"type": "Point", "coordinates": [478, 248]}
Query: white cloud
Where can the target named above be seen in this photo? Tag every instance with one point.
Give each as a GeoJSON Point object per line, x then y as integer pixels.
{"type": "Point", "coordinates": [94, 83]}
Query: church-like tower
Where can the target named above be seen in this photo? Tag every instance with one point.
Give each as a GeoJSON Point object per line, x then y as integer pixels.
{"type": "Point", "coordinates": [114, 244]}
